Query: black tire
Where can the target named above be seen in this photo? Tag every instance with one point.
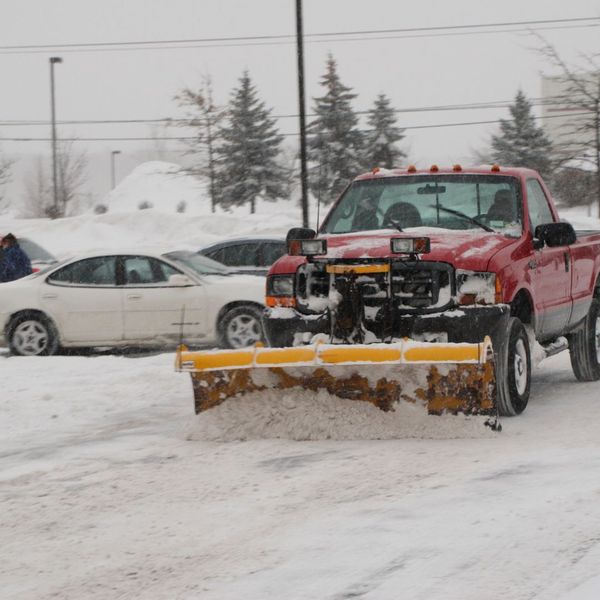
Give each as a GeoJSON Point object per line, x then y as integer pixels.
{"type": "Point", "coordinates": [32, 334]}
{"type": "Point", "coordinates": [241, 327]}
{"type": "Point", "coordinates": [513, 370]}
{"type": "Point", "coordinates": [584, 346]}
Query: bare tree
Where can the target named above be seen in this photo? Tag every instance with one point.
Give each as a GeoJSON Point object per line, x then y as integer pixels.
{"type": "Point", "coordinates": [579, 96]}
{"type": "Point", "coordinates": [5, 176]}
{"type": "Point", "coordinates": [204, 116]}
{"type": "Point", "coordinates": [72, 166]}
{"type": "Point", "coordinates": [39, 195]}
{"type": "Point", "coordinates": [38, 192]}
{"type": "Point", "coordinates": [575, 187]}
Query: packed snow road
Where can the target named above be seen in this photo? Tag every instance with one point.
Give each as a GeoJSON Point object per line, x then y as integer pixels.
{"type": "Point", "coordinates": [110, 488]}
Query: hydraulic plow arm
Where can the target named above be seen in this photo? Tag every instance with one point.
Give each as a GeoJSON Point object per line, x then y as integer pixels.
{"type": "Point", "coordinates": [454, 378]}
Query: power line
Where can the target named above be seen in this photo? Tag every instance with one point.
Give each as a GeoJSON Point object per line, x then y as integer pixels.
{"type": "Point", "coordinates": [373, 34]}
{"type": "Point", "coordinates": [290, 42]}
{"type": "Point", "coordinates": [185, 138]}
{"type": "Point", "coordinates": [180, 121]}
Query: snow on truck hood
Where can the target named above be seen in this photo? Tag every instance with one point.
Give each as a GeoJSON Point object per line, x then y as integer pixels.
{"type": "Point", "coordinates": [463, 249]}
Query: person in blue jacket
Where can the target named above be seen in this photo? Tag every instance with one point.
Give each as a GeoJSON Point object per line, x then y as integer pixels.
{"type": "Point", "coordinates": [14, 263]}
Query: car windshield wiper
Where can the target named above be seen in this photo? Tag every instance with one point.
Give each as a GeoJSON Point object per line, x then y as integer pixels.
{"type": "Point", "coordinates": [458, 213]}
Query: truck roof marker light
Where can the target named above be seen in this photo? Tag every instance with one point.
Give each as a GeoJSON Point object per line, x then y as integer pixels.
{"type": "Point", "coordinates": [495, 168]}
{"type": "Point", "coordinates": [457, 168]}
{"type": "Point", "coordinates": [411, 169]}
{"type": "Point", "coordinates": [434, 168]}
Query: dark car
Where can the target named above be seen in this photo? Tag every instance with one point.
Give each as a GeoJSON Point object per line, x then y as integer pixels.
{"type": "Point", "coordinates": [247, 255]}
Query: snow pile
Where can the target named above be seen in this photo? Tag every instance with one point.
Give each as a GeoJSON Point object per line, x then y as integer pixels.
{"type": "Point", "coordinates": [161, 186]}
{"type": "Point", "coordinates": [306, 415]}
{"type": "Point", "coordinates": [164, 186]}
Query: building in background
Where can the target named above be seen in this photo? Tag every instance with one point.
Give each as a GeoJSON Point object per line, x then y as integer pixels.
{"type": "Point", "coordinates": [567, 116]}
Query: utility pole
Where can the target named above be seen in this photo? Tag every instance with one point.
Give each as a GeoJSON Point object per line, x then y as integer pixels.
{"type": "Point", "coordinates": [54, 60]}
{"type": "Point", "coordinates": [302, 112]}
{"type": "Point", "coordinates": [112, 168]}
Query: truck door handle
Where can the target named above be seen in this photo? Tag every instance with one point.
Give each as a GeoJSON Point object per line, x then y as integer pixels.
{"type": "Point", "coordinates": [134, 296]}
{"type": "Point", "coordinates": [567, 261]}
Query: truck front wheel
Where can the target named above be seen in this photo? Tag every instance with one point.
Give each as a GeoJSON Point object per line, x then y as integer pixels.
{"type": "Point", "coordinates": [513, 370]}
{"type": "Point", "coordinates": [584, 346]}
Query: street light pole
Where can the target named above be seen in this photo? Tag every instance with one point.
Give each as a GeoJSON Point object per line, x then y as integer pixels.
{"type": "Point", "coordinates": [112, 168]}
{"type": "Point", "coordinates": [54, 60]}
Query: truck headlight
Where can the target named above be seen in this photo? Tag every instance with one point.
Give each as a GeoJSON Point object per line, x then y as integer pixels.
{"type": "Point", "coordinates": [477, 287]}
{"type": "Point", "coordinates": [280, 291]}
{"type": "Point", "coordinates": [281, 285]}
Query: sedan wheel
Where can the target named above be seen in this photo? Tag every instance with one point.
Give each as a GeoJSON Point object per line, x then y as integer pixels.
{"type": "Point", "coordinates": [241, 327]}
{"type": "Point", "coordinates": [32, 336]}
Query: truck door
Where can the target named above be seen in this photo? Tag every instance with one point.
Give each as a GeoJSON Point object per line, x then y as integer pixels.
{"type": "Point", "coordinates": [551, 270]}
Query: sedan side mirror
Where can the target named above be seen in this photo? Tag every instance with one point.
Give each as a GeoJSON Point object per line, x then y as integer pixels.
{"type": "Point", "coordinates": [555, 234]}
{"type": "Point", "coordinates": [180, 280]}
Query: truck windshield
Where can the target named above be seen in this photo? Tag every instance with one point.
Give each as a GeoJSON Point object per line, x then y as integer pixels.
{"type": "Point", "coordinates": [445, 201]}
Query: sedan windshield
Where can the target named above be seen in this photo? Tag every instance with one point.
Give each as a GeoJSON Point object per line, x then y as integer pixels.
{"type": "Point", "coordinates": [484, 202]}
{"type": "Point", "coordinates": [198, 263]}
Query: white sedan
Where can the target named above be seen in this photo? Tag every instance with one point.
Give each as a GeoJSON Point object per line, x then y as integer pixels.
{"type": "Point", "coordinates": [116, 299]}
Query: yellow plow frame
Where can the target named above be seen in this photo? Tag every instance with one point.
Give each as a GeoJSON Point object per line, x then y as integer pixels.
{"type": "Point", "coordinates": [443, 377]}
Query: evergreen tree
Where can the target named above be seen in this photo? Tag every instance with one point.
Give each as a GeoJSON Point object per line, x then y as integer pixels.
{"type": "Point", "coordinates": [247, 155]}
{"type": "Point", "coordinates": [383, 134]}
{"type": "Point", "coordinates": [520, 142]}
{"type": "Point", "coordinates": [334, 141]}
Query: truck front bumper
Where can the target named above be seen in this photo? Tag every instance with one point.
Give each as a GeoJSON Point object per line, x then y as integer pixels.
{"type": "Point", "coordinates": [288, 327]}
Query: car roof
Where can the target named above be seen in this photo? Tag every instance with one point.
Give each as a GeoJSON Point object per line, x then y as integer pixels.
{"type": "Point", "coordinates": [244, 240]}
{"type": "Point", "coordinates": [129, 251]}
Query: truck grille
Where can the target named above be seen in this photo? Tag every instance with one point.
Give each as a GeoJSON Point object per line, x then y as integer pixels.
{"type": "Point", "coordinates": [422, 285]}
{"type": "Point", "coordinates": [413, 287]}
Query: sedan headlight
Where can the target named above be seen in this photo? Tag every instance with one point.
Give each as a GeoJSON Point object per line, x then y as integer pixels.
{"type": "Point", "coordinates": [477, 287]}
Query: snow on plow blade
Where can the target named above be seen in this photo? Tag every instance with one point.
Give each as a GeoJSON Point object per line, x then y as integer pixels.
{"type": "Point", "coordinates": [442, 377]}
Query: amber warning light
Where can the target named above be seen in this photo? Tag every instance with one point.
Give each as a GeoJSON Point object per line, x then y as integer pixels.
{"type": "Point", "coordinates": [410, 245]}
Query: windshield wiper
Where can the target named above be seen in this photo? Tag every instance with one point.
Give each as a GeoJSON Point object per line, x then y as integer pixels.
{"type": "Point", "coordinates": [458, 213]}
{"type": "Point", "coordinates": [395, 224]}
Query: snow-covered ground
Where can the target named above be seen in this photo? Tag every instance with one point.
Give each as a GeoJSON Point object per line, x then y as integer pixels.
{"type": "Point", "coordinates": [110, 486]}
{"type": "Point", "coordinates": [108, 490]}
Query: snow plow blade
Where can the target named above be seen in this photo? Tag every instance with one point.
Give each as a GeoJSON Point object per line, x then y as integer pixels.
{"type": "Point", "coordinates": [441, 377]}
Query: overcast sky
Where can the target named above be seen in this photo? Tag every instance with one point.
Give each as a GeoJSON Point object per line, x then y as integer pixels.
{"type": "Point", "coordinates": [419, 70]}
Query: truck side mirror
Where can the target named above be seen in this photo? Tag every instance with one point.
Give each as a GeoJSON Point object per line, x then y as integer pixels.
{"type": "Point", "coordinates": [300, 233]}
{"type": "Point", "coordinates": [555, 234]}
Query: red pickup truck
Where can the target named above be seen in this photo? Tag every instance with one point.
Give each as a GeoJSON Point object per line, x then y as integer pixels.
{"type": "Point", "coordinates": [449, 255]}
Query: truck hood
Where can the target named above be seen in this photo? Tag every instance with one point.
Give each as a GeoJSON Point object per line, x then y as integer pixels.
{"type": "Point", "coordinates": [464, 249]}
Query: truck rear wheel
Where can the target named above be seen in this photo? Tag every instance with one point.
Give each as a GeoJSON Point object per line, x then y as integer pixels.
{"type": "Point", "coordinates": [584, 346]}
{"type": "Point", "coordinates": [513, 370]}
